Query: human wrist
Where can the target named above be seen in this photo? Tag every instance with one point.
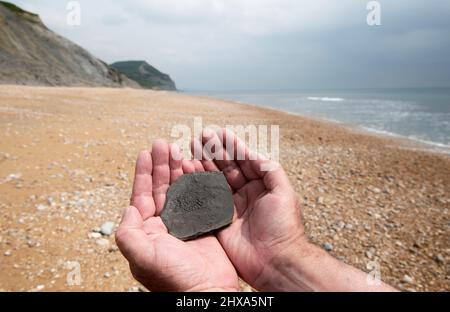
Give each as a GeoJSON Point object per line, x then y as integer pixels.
{"type": "Point", "coordinates": [302, 268]}
{"type": "Point", "coordinates": [287, 271]}
{"type": "Point", "coordinates": [307, 267]}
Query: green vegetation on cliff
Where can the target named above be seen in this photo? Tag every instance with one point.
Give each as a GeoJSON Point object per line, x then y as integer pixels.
{"type": "Point", "coordinates": [145, 74]}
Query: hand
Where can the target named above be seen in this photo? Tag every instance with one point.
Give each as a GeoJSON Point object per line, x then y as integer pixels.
{"type": "Point", "coordinates": [158, 260]}
{"type": "Point", "coordinates": [267, 222]}
{"type": "Point", "coordinates": [266, 241]}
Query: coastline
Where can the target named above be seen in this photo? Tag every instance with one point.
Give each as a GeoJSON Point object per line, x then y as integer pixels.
{"type": "Point", "coordinates": [417, 144]}
{"type": "Point", "coordinates": [67, 160]}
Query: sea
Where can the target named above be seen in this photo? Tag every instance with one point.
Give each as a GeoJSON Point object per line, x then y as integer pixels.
{"type": "Point", "coordinates": [420, 114]}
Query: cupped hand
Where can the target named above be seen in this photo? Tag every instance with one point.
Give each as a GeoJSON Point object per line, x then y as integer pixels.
{"type": "Point", "coordinates": [267, 221]}
{"type": "Point", "coordinates": [158, 260]}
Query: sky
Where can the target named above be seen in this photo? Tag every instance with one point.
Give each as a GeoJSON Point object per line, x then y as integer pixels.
{"type": "Point", "coordinates": [266, 44]}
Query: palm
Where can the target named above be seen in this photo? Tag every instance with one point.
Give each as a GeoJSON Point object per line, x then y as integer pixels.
{"type": "Point", "coordinates": [262, 226]}
{"type": "Point", "coordinates": [159, 260]}
{"type": "Point", "coordinates": [256, 229]}
{"type": "Point", "coordinates": [195, 265]}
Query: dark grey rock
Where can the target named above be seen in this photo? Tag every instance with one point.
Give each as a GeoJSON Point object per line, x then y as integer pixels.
{"type": "Point", "coordinates": [197, 204]}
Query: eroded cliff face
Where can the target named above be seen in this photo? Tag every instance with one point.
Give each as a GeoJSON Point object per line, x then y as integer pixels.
{"type": "Point", "coordinates": [32, 54]}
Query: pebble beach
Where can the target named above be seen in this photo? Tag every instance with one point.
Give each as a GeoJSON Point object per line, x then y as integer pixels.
{"type": "Point", "coordinates": [67, 160]}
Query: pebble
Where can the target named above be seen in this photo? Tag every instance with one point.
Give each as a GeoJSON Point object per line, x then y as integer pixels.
{"type": "Point", "coordinates": [407, 279]}
{"type": "Point", "coordinates": [440, 258]}
{"type": "Point", "coordinates": [137, 289]}
{"type": "Point", "coordinates": [50, 201]}
{"type": "Point", "coordinates": [328, 246]}
{"type": "Point", "coordinates": [373, 189]}
{"type": "Point", "coordinates": [107, 228]}
{"type": "Point", "coordinates": [39, 288]}
{"type": "Point", "coordinates": [113, 248]}
{"type": "Point", "coordinates": [41, 207]}
{"type": "Point", "coordinates": [123, 176]}
{"type": "Point", "coordinates": [13, 176]}
{"type": "Point", "coordinates": [103, 242]}
{"type": "Point", "coordinates": [370, 253]}
{"type": "Point", "coordinates": [7, 253]}
{"type": "Point", "coordinates": [94, 235]}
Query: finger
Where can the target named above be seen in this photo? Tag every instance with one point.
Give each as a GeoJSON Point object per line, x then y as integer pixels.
{"type": "Point", "coordinates": [264, 168]}
{"type": "Point", "coordinates": [175, 163]}
{"type": "Point", "coordinates": [206, 161]}
{"type": "Point", "coordinates": [198, 165]}
{"type": "Point", "coordinates": [141, 196]}
{"type": "Point", "coordinates": [161, 173]}
{"type": "Point", "coordinates": [130, 219]}
{"type": "Point", "coordinates": [223, 160]}
{"type": "Point", "coordinates": [275, 179]}
{"type": "Point", "coordinates": [188, 166]}
{"type": "Point", "coordinates": [130, 236]}
{"type": "Point", "coordinates": [154, 226]}
{"type": "Point", "coordinates": [256, 165]}
{"type": "Point", "coordinates": [241, 153]}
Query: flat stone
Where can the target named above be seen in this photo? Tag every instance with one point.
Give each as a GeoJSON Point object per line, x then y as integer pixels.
{"type": "Point", "coordinates": [197, 204]}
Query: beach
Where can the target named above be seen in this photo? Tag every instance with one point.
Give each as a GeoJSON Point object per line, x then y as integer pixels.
{"type": "Point", "coordinates": [67, 160]}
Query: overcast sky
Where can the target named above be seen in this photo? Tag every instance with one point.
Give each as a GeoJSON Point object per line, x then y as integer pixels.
{"type": "Point", "coordinates": [266, 44]}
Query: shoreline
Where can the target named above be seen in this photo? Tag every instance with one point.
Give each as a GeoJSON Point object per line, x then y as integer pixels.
{"type": "Point", "coordinates": [421, 145]}
{"type": "Point", "coordinates": [67, 161]}
{"type": "Point", "coordinates": [417, 144]}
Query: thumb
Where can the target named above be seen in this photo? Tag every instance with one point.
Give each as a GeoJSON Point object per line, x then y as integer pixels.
{"type": "Point", "coordinates": [131, 218]}
{"type": "Point", "coordinates": [130, 237]}
{"type": "Point", "coordinates": [273, 174]}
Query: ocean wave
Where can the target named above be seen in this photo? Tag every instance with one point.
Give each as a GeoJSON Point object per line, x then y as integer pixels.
{"type": "Point", "coordinates": [325, 99]}
{"type": "Point", "coordinates": [440, 146]}
{"type": "Point", "coordinates": [436, 144]}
